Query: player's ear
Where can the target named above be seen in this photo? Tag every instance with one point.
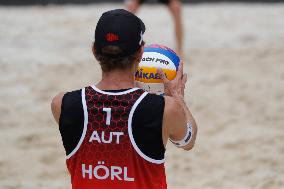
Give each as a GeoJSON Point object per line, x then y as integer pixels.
{"type": "Point", "coordinates": [94, 49]}
{"type": "Point", "coordinates": [140, 53]}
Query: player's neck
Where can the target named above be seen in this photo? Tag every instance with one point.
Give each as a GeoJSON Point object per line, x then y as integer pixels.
{"type": "Point", "coordinates": [117, 79]}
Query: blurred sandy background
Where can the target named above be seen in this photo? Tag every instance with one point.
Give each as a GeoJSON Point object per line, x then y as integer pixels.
{"type": "Point", "coordinates": [235, 91]}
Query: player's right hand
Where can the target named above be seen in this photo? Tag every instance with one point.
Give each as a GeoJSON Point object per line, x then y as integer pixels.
{"type": "Point", "coordinates": [174, 88]}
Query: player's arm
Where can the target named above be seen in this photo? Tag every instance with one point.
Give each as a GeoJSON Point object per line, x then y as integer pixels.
{"type": "Point", "coordinates": [56, 106]}
{"type": "Point", "coordinates": [178, 123]}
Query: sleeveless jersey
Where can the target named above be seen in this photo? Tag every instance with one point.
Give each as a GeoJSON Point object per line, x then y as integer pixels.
{"type": "Point", "coordinates": [107, 156]}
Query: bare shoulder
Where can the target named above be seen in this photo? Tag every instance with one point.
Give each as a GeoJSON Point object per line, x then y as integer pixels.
{"type": "Point", "coordinates": [56, 105]}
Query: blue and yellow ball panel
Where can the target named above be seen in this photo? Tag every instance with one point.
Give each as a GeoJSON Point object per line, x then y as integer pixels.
{"type": "Point", "coordinates": [154, 57]}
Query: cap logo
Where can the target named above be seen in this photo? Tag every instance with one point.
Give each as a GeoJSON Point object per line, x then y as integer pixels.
{"type": "Point", "coordinates": [112, 37]}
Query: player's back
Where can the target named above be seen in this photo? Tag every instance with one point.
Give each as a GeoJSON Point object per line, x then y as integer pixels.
{"type": "Point", "coordinates": [113, 139]}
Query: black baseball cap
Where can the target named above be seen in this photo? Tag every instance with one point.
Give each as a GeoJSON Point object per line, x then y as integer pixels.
{"type": "Point", "coordinates": [119, 28]}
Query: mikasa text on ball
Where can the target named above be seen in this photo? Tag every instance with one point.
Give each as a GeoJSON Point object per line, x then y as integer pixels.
{"type": "Point", "coordinates": [154, 57]}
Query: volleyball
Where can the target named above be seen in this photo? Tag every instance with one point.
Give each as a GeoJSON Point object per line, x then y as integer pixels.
{"type": "Point", "coordinates": [154, 57]}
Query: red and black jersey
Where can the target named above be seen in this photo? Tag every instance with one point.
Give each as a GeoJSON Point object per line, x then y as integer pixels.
{"type": "Point", "coordinates": [119, 147]}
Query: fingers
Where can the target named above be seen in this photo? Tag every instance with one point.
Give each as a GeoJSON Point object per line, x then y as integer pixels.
{"type": "Point", "coordinates": [181, 63]}
{"type": "Point", "coordinates": [162, 75]}
{"type": "Point", "coordinates": [184, 79]}
{"type": "Point", "coordinates": [180, 70]}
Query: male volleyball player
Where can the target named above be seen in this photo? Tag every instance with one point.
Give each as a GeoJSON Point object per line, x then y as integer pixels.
{"type": "Point", "coordinates": [114, 134]}
{"type": "Point", "coordinates": [175, 9]}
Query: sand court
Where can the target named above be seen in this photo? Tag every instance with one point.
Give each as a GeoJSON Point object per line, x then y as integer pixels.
{"type": "Point", "coordinates": [234, 57]}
